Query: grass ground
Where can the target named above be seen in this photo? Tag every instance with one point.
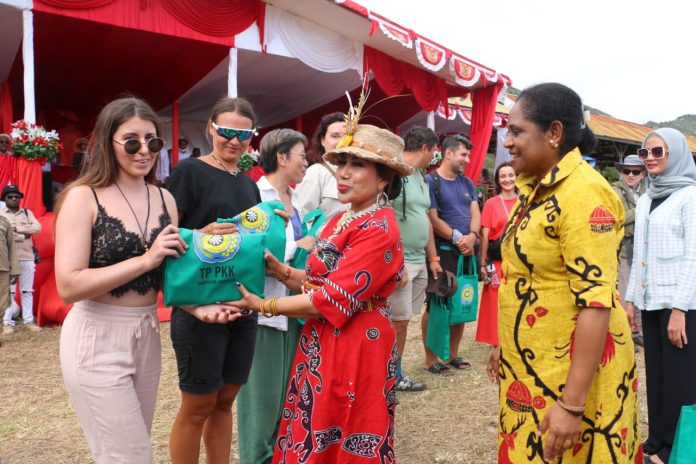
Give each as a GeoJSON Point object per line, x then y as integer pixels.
{"type": "Point", "coordinates": [454, 421]}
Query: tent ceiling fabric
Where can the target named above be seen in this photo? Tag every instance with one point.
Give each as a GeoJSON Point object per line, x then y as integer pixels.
{"type": "Point", "coordinates": [81, 72]}
{"type": "Point", "coordinates": [280, 88]}
{"type": "Point", "coordinates": [10, 38]}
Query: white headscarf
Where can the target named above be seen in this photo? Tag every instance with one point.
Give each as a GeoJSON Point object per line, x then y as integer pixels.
{"type": "Point", "coordinates": [680, 171]}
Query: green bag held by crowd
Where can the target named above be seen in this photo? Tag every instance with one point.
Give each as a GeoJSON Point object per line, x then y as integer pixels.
{"type": "Point", "coordinates": [262, 219]}
{"type": "Point", "coordinates": [465, 301]}
{"type": "Point", "coordinates": [317, 219]}
{"type": "Point", "coordinates": [208, 271]}
{"type": "Point", "coordinates": [444, 312]}
{"type": "Point", "coordinates": [683, 449]}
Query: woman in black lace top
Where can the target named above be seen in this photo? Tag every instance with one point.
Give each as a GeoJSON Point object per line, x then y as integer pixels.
{"type": "Point", "coordinates": [113, 229]}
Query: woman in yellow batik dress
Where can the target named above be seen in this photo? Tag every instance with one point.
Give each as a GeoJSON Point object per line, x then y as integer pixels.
{"type": "Point", "coordinates": [566, 365]}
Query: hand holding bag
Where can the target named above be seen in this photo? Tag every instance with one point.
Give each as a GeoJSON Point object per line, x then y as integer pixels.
{"type": "Point", "coordinates": [317, 219]}
{"type": "Point", "coordinates": [208, 271]}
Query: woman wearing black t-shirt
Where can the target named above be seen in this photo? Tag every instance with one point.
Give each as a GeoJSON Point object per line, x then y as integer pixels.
{"type": "Point", "coordinates": [213, 359]}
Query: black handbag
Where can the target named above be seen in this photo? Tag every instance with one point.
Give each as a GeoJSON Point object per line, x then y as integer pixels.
{"type": "Point", "coordinates": [494, 252]}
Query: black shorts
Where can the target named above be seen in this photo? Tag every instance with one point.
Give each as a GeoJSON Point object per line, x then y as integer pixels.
{"type": "Point", "coordinates": [210, 355]}
{"type": "Point", "coordinates": [449, 258]}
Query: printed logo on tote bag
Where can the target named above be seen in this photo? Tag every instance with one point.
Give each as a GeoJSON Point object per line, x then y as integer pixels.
{"type": "Point", "coordinates": [216, 248]}
{"type": "Point", "coordinates": [254, 221]}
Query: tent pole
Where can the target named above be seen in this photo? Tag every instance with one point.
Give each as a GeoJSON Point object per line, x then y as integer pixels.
{"type": "Point", "coordinates": [28, 60]}
{"type": "Point", "coordinates": [175, 134]}
{"type": "Point", "coordinates": [232, 74]}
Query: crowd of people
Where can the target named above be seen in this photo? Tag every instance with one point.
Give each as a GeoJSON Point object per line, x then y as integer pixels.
{"type": "Point", "coordinates": [569, 266]}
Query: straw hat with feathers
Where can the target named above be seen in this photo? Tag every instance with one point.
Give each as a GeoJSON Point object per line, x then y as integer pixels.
{"type": "Point", "coordinates": [369, 142]}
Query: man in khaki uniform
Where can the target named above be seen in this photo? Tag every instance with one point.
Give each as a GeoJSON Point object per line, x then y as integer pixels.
{"type": "Point", "coordinates": [24, 225]}
{"type": "Point", "coordinates": [9, 265]}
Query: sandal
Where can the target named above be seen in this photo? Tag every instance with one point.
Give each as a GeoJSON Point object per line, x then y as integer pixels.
{"type": "Point", "coordinates": [460, 364]}
{"type": "Point", "coordinates": [439, 369]}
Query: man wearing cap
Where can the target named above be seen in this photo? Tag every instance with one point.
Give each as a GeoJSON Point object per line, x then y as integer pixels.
{"type": "Point", "coordinates": [456, 219]}
{"type": "Point", "coordinates": [629, 187]}
{"type": "Point", "coordinates": [411, 209]}
{"type": "Point", "coordinates": [24, 225]}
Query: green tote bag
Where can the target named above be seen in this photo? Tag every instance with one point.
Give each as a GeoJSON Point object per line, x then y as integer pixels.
{"type": "Point", "coordinates": [317, 219]}
{"type": "Point", "coordinates": [211, 267]}
{"type": "Point", "coordinates": [683, 450]}
{"type": "Point", "coordinates": [208, 271]}
{"type": "Point", "coordinates": [465, 301]}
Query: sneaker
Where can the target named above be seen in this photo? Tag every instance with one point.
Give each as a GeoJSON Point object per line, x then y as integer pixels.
{"type": "Point", "coordinates": [407, 384]}
{"type": "Point", "coordinates": [33, 327]}
{"type": "Point", "coordinates": [8, 330]}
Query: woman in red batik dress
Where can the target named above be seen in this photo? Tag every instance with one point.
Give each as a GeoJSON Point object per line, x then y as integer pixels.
{"type": "Point", "coordinates": [339, 406]}
{"type": "Point", "coordinates": [494, 218]}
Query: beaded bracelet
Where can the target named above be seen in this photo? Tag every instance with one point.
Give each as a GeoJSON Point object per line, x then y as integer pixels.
{"type": "Point", "coordinates": [574, 410]}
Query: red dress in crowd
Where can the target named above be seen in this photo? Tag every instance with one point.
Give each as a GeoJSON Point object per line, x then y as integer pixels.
{"type": "Point", "coordinates": [494, 217]}
{"type": "Point", "coordinates": [339, 406]}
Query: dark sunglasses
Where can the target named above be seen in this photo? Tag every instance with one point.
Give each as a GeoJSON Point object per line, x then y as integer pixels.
{"type": "Point", "coordinates": [229, 132]}
{"type": "Point", "coordinates": [12, 197]}
{"type": "Point", "coordinates": [635, 172]}
{"type": "Point", "coordinates": [657, 153]}
{"type": "Point", "coordinates": [132, 146]}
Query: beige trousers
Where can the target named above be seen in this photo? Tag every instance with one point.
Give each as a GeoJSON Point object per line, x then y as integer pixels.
{"type": "Point", "coordinates": [111, 361]}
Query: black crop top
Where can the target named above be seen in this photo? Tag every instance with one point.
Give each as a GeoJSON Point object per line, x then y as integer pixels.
{"type": "Point", "coordinates": [113, 243]}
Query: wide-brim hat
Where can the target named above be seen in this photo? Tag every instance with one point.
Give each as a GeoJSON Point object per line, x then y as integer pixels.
{"type": "Point", "coordinates": [630, 160]}
{"type": "Point", "coordinates": [372, 144]}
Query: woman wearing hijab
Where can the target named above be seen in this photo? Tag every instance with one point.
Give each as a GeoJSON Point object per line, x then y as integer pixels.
{"type": "Point", "coordinates": [662, 284]}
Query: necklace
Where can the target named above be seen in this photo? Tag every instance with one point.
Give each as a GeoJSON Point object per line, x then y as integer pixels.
{"type": "Point", "coordinates": [142, 232]}
{"type": "Point", "coordinates": [351, 216]}
{"type": "Point", "coordinates": [233, 173]}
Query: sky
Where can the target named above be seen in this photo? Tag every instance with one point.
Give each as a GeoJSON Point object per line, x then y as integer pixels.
{"type": "Point", "coordinates": [635, 60]}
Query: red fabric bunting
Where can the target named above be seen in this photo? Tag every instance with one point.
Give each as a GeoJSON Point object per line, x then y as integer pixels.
{"type": "Point", "coordinates": [8, 170]}
{"type": "Point", "coordinates": [393, 75]}
{"type": "Point", "coordinates": [6, 118]}
{"type": "Point", "coordinates": [221, 18]}
{"type": "Point", "coordinates": [29, 181]}
{"type": "Point", "coordinates": [75, 4]}
{"type": "Point", "coordinates": [484, 103]}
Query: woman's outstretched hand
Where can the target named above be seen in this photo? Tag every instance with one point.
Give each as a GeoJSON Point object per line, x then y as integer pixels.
{"type": "Point", "coordinates": [216, 313]}
{"type": "Point", "coordinates": [249, 301]}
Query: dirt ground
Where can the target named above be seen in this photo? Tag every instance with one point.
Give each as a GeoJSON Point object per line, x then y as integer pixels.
{"type": "Point", "coordinates": [454, 421]}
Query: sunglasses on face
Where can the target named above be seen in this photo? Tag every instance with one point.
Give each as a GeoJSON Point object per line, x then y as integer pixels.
{"type": "Point", "coordinates": [12, 197]}
{"type": "Point", "coordinates": [133, 146]}
{"type": "Point", "coordinates": [229, 132]}
{"type": "Point", "coordinates": [635, 172]}
{"type": "Point", "coordinates": [657, 152]}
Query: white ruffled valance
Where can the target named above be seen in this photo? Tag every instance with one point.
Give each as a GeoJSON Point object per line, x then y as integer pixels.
{"type": "Point", "coordinates": [311, 43]}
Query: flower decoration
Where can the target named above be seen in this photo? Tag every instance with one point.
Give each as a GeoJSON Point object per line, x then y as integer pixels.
{"type": "Point", "coordinates": [33, 142]}
{"type": "Point", "coordinates": [437, 157]}
{"type": "Point", "coordinates": [248, 160]}
{"type": "Point", "coordinates": [345, 141]}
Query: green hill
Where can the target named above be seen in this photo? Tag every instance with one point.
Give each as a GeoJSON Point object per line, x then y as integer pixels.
{"type": "Point", "coordinates": [685, 123]}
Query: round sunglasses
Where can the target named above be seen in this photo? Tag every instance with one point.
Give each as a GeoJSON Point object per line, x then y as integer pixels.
{"type": "Point", "coordinates": [230, 132]}
{"type": "Point", "coordinates": [133, 146]}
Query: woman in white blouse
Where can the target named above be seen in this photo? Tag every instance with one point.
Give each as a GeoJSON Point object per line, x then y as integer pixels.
{"type": "Point", "coordinates": [319, 188]}
{"type": "Point", "coordinates": [260, 401]}
{"type": "Point", "coordinates": [663, 286]}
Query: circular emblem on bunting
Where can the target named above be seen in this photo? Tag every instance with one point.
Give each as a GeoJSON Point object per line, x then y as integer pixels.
{"type": "Point", "coordinates": [216, 248]}
{"type": "Point", "coordinates": [254, 221]}
{"type": "Point", "coordinates": [467, 294]}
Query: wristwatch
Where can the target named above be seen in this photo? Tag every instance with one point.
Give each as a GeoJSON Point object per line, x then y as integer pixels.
{"type": "Point", "coordinates": [434, 259]}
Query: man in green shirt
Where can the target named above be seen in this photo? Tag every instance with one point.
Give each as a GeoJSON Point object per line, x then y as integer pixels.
{"type": "Point", "coordinates": [411, 208]}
